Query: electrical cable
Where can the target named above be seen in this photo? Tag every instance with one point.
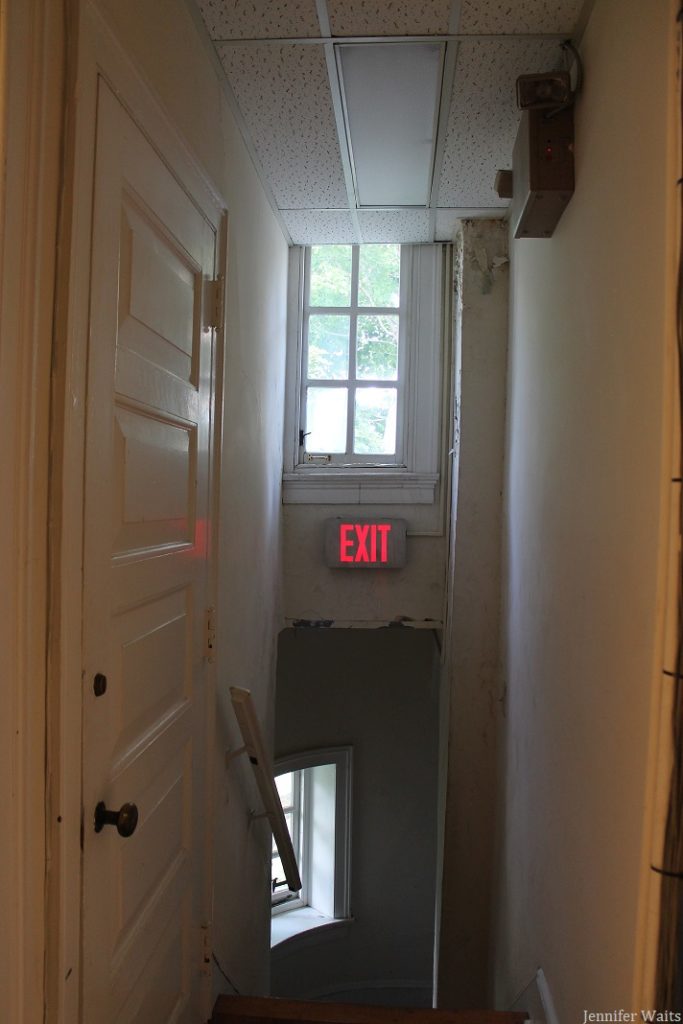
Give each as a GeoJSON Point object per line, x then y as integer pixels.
{"type": "Point", "coordinates": [568, 48]}
{"type": "Point", "coordinates": [231, 983]}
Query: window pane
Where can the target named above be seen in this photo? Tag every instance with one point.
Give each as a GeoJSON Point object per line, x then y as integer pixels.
{"type": "Point", "coordinates": [375, 421]}
{"type": "Point", "coordinates": [328, 347]}
{"type": "Point", "coordinates": [326, 420]}
{"type": "Point", "coordinates": [379, 275]}
{"type": "Point", "coordinates": [330, 275]}
{"type": "Point", "coordinates": [284, 788]}
{"type": "Point", "coordinates": [277, 873]}
{"type": "Point", "coordinates": [377, 348]}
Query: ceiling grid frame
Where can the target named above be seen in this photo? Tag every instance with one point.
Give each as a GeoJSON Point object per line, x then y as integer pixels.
{"type": "Point", "coordinates": [338, 107]}
{"type": "Point", "coordinates": [293, 25]}
{"type": "Point", "coordinates": [445, 100]}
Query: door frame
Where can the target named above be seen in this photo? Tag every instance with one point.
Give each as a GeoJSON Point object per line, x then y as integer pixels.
{"type": "Point", "coordinates": [96, 53]}
{"type": "Point", "coordinates": [31, 90]}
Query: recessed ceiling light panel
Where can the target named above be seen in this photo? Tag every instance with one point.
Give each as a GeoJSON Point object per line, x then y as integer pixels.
{"type": "Point", "coordinates": [391, 103]}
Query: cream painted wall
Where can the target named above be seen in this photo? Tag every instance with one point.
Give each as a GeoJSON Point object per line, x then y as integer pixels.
{"type": "Point", "coordinates": [175, 59]}
{"type": "Point", "coordinates": [588, 456]}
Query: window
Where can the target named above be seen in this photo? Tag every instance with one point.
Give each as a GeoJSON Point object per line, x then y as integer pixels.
{"type": "Point", "coordinates": [364, 371]}
{"type": "Point", "coordinates": [315, 790]}
{"type": "Point", "coordinates": [353, 356]}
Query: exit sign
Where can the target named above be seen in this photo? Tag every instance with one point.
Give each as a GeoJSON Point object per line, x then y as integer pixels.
{"type": "Point", "coordinates": [352, 543]}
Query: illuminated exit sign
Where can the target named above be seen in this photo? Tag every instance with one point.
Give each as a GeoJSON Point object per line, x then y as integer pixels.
{"type": "Point", "coordinates": [352, 543]}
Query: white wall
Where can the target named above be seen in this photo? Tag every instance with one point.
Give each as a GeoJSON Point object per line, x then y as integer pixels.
{"type": "Point", "coordinates": [175, 60]}
{"type": "Point", "coordinates": [377, 690]}
{"type": "Point", "coordinates": [585, 489]}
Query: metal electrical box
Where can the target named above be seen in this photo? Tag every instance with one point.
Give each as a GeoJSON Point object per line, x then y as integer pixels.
{"type": "Point", "coordinates": [542, 172]}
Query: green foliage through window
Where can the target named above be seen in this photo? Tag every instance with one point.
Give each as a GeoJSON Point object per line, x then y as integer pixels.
{"type": "Point", "coordinates": [352, 338]}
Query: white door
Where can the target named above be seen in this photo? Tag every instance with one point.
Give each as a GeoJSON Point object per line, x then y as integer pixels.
{"type": "Point", "coordinates": [148, 425]}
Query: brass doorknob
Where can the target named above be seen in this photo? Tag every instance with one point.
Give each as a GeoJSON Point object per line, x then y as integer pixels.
{"type": "Point", "coordinates": [126, 819]}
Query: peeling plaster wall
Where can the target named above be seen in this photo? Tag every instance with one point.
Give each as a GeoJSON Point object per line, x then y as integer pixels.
{"type": "Point", "coordinates": [173, 57]}
{"type": "Point", "coordinates": [471, 669]}
{"type": "Point", "coordinates": [586, 515]}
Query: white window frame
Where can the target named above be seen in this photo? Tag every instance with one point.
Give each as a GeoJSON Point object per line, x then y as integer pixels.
{"type": "Point", "coordinates": [414, 479]}
{"type": "Point", "coordinates": [349, 459]}
{"type": "Point", "coordinates": [338, 906]}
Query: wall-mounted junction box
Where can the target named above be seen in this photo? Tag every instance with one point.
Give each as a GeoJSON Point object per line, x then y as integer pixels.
{"type": "Point", "coordinates": [542, 172]}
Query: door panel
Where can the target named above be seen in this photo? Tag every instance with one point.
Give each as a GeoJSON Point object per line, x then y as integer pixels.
{"type": "Point", "coordinates": [145, 582]}
{"type": "Point", "coordinates": [155, 468]}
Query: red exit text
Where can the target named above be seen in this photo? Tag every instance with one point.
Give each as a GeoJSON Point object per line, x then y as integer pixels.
{"type": "Point", "coordinates": [364, 542]}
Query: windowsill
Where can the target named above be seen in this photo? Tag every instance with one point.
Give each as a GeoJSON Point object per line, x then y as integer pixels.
{"type": "Point", "coordinates": [331, 486]}
{"type": "Point", "coordinates": [295, 923]}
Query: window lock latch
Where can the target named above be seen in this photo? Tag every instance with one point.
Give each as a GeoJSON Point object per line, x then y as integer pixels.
{"type": "Point", "coordinates": [302, 436]}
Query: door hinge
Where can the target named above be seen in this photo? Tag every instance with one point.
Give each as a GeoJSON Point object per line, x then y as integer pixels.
{"type": "Point", "coordinates": [213, 304]}
{"type": "Point", "coordinates": [206, 949]}
{"type": "Point", "coordinates": [210, 634]}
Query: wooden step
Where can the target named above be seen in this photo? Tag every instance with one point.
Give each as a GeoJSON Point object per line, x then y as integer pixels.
{"type": "Point", "coordinates": [270, 1010]}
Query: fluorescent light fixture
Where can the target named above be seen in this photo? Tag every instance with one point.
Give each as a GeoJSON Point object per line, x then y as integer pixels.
{"type": "Point", "coordinates": [391, 105]}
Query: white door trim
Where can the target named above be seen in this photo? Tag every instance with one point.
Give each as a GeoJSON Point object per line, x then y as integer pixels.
{"type": "Point", "coordinates": [99, 54]}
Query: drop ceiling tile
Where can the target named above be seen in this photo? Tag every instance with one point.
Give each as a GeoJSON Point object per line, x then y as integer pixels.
{"type": "Point", "coordinates": [259, 19]}
{"type": "Point", "coordinates": [284, 96]}
{"type": "Point", "coordinates": [520, 16]}
{"type": "Point", "coordinates": [319, 227]}
{"type": "Point", "coordinates": [388, 17]}
{"type": "Point", "coordinates": [394, 225]}
{"type": "Point", "coordinates": [483, 119]}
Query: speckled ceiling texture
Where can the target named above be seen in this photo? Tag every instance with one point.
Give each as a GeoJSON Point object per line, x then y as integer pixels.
{"type": "Point", "coordinates": [388, 17]}
{"type": "Point", "coordinates": [483, 120]}
{"type": "Point", "coordinates": [286, 103]}
{"type": "Point", "coordinates": [517, 16]}
{"type": "Point", "coordinates": [394, 225]}
{"type": "Point", "coordinates": [284, 96]}
{"type": "Point", "coordinates": [259, 19]}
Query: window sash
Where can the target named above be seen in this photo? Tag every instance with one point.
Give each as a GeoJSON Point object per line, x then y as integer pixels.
{"type": "Point", "coordinates": [279, 896]}
{"type": "Point", "coordinates": [349, 458]}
